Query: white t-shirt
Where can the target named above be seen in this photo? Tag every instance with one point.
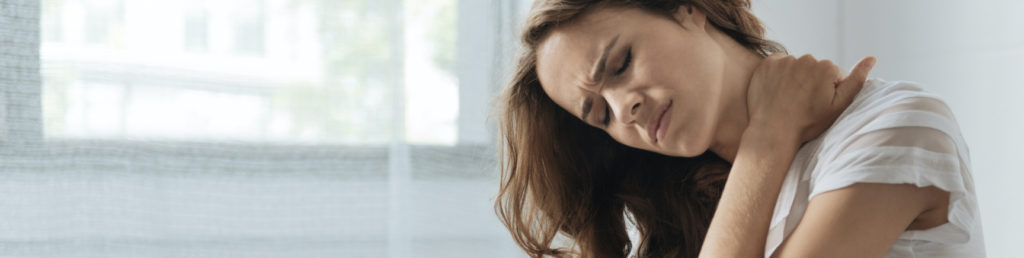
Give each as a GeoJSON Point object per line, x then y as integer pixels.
{"type": "Point", "coordinates": [893, 133]}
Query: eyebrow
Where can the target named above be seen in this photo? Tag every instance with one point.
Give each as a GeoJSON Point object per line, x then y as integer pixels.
{"type": "Point", "coordinates": [595, 72]}
{"type": "Point", "coordinates": [595, 75]}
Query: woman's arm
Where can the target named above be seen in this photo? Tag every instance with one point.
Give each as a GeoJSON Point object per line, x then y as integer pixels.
{"type": "Point", "coordinates": [784, 111]}
{"type": "Point", "coordinates": [862, 220]}
{"type": "Point", "coordinates": [739, 227]}
{"type": "Point", "coordinates": [849, 222]}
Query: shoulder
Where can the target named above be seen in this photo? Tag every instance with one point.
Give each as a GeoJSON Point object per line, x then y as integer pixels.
{"type": "Point", "coordinates": [894, 132]}
{"type": "Point", "coordinates": [880, 98]}
{"type": "Point", "coordinates": [895, 114]}
{"type": "Point", "coordinates": [893, 161]}
{"type": "Point", "coordinates": [890, 163]}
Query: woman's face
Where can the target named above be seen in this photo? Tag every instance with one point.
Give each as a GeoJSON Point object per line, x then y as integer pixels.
{"type": "Point", "coordinates": [650, 81]}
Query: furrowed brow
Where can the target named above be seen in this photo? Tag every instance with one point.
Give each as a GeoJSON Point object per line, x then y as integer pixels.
{"type": "Point", "coordinates": [596, 70]}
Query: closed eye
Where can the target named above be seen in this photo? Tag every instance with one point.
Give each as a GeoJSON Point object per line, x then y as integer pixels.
{"type": "Point", "coordinates": [607, 115]}
{"type": "Point", "coordinates": [625, 64]}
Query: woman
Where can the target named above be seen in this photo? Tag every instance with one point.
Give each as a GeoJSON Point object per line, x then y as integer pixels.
{"type": "Point", "coordinates": [677, 112]}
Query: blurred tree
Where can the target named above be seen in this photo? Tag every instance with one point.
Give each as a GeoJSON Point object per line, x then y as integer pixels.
{"type": "Point", "coordinates": [354, 103]}
{"type": "Point", "coordinates": [361, 64]}
{"type": "Point", "coordinates": [442, 32]}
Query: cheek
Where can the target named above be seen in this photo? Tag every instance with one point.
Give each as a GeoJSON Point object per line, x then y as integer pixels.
{"type": "Point", "coordinates": [695, 61]}
{"type": "Point", "coordinates": [694, 76]}
{"type": "Point", "coordinates": [695, 108]}
{"type": "Point", "coordinates": [693, 132]}
{"type": "Point", "coordinates": [628, 137]}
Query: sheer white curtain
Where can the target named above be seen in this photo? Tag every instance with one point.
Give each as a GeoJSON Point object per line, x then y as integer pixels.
{"type": "Point", "coordinates": [251, 128]}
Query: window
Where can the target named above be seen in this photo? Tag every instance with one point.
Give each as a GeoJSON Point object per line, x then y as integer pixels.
{"type": "Point", "coordinates": [342, 72]}
{"type": "Point", "coordinates": [273, 128]}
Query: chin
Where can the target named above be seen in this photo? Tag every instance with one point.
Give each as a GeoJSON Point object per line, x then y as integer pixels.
{"type": "Point", "coordinates": [687, 147]}
{"type": "Point", "coordinates": [682, 151]}
{"type": "Point", "coordinates": [690, 154]}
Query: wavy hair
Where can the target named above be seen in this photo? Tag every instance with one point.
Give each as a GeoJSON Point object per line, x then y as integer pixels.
{"type": "Point", "coordinates": [562, 179]}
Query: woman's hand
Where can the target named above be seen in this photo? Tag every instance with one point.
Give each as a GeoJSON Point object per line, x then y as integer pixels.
{"type": "Point", "coordinates": [790, 101]}
{"type": "Point", "coordinates": [800, 98]}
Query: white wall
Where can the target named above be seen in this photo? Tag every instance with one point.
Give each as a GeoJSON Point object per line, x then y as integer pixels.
{"type": "Point", "coordinates": [969, 52]}
{"type": "Point", "coordinates": [803, 26]}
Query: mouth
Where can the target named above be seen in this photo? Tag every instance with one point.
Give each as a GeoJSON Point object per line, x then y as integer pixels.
{"type": "Point", "coordinates": [658, 125]}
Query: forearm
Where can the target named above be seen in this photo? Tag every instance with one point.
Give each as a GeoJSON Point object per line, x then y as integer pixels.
{"type": "Point", "coordinates": [739, 227]}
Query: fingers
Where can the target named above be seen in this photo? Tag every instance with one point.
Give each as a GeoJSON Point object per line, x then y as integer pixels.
{"type": "Point", "coordinates": [848, 88]}
{"type": "Point", "coordinates": [833, 71]}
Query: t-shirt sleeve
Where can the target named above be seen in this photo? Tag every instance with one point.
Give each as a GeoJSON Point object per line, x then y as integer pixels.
{"type": "Point", "coordinates": [914, 142]}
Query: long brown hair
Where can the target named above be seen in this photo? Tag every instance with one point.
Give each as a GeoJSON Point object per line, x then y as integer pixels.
{"type": "Point", "coordinates": [563, 178]}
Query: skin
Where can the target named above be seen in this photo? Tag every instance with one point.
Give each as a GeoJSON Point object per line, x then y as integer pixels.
{"type": "Point", "coordinates": [689, 66]}
{"type": "Point", "coordinates": [755, 112]}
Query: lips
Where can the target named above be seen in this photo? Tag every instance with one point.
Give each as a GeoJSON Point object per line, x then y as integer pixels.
{"type": "Point", "coordinates": [656, 127]}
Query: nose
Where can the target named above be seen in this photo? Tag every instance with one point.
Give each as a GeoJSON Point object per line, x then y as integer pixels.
{"type": "Point", "coordinates": [625, 105]}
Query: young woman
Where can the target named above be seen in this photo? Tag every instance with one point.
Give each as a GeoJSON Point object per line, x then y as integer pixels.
{"type": "Point", "coordinates": [676, 115]}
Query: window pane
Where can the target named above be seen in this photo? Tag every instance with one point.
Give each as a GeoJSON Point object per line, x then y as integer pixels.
{"type": "Point", "coordinates": [251, 70]}
{"type": "Point", "coordinates": [432, 100]}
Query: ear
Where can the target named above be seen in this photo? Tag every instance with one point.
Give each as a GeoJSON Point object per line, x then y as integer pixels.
{"type": "Point", "coordinates": [690, 17]}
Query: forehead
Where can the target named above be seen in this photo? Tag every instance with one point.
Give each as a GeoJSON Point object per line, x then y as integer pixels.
{"type": "Point", "coordinates": [566, 55]}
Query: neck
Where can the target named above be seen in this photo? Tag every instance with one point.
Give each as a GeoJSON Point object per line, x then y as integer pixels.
{"type": "Point", "coordinates": [739, 68]}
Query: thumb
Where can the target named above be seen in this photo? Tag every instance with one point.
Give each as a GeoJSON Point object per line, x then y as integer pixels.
{"type": "Point", "coordinates": [848, 88]}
